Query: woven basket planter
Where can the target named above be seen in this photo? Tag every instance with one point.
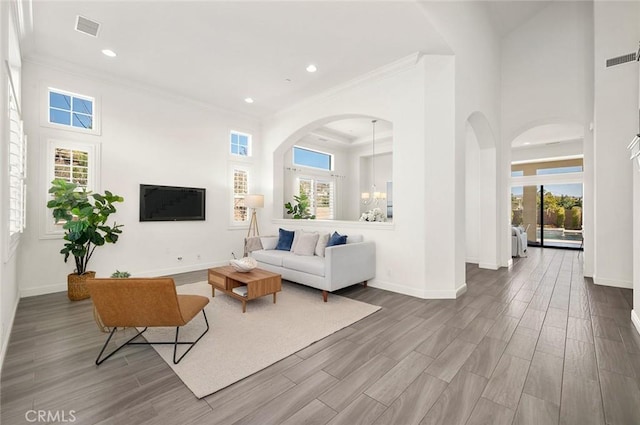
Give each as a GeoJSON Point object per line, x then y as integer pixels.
{"type": "Point", "coordinates": [77, 287]}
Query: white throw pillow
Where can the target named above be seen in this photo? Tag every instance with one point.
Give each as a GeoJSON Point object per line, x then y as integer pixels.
{"type": "Point", "coordinates": [269, 242]}
{"type": "Point", "coordinates": [322, 244]}
{"type": "Point", "coordinates": [296, 236]}
{"type": "Point", "coordinates": [306, 244]}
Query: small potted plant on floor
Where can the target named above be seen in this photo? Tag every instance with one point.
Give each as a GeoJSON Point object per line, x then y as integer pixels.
{"type": "Point", "coordinates": [83, 215]}
{"type": "Point", "coordinates": [96, 316]}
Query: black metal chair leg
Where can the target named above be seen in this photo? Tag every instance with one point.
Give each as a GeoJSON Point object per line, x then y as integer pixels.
{"type": "Point", "coordinates": [113, 331]}
{"type": "Point", "coordinates": [191, 344]}
{"type": "Point", "coordinates": [175, 343]}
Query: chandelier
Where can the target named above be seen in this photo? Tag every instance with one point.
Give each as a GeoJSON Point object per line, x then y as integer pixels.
{"type": "Point", "coordinates": [373, 197]}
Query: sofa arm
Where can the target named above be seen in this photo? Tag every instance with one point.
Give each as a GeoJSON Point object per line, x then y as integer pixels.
{"type": "Point", "coordinates": [350, 264]}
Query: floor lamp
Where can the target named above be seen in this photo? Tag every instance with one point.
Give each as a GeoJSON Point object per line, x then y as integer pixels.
{"type": "Point", "coordinates": [254, 202]}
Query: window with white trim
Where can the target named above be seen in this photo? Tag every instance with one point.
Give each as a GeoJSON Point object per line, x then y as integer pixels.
{"type": "Point", "coordinates": [17, 168]}
{"type": "Point", "coordinates": [311, 158]}
{"type": "Point", "coordinates": [321, 194]}
{"type": "Point", "coordinates": [240, 144]}
{"type": "Point", "coordinates": [71, 110]}
{"type": "Point", "coordinates": [240, 191]}
{"type": "Point", "coordinates": [75, 162]}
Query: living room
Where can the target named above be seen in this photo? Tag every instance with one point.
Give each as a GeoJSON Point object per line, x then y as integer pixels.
{"type": "Point", "coordinates": [476, 78]}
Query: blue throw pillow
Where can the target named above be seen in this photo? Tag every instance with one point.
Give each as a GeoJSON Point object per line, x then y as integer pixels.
{"type": "Point", "coordinates": [337, 239]}
{"type": "Point", "coordinates": [285, 239]}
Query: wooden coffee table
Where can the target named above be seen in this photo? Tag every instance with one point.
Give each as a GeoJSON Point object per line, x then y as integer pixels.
{"type": "Point", "coordinates": [258, 282]}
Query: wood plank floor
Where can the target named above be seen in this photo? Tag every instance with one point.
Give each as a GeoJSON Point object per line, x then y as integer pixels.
{"type": "Point", "coordinates": [535, 344]}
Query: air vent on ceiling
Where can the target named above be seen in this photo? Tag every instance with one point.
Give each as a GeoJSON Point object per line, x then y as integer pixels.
{"type": "Point", "coordinates": [552, 143]}
{"type": "Point", "coordinates": [621, 59]}
{"type": "Point", "coordinates": [87, 26]}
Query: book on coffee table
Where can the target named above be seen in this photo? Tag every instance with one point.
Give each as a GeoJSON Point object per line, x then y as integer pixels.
{"type": "Point", "coordinates": [240, 290]}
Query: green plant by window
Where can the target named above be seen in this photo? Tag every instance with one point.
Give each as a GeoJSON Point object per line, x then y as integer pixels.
{"type": "Point", "coordinates": [301, 208]}
{"type": "Point", "coordinates": [85, 216]}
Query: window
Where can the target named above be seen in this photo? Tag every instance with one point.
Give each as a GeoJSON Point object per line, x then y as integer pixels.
{"type": "Point", "coordinates": [74, 162]}
{"type": "Point", "coordinates": [240, 144]}
{"type": "Point", "coordinates": [240, 190]}
{"type": "Point", "coordinates": [314, 159]}
{"type": "Point", "coordinates": [517, 173]}
{"type": "Point", "coordinates": [71, 165]}
{"type": "Point", "coordinates": [71, 110]}
{"type": "Point", "coordinates": [321, 196]}
{"type": "Point", "coordinates": [17, 168]}
{"type": "Point", "coordinates": [559, 170]}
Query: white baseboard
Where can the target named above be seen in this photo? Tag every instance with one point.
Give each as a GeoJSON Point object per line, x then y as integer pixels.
{"type": "Point", "coordinates": [181, 269]}
{"type": "Point", "coordinates": [613, 282]}
{"type": "Point", "coordinates": [509, 263]}
{"type": "Point", "coordinates": [472, 260]}
{"type": "Point", "coordinates": [636, 320]}
{"type": "Point", "coordinates": [489, 266]}
{"type": "Point", "coordinates": [7, 335]}
{"type": "Point", "coordinates": [417, 292]}
{"type": "Point", "coordinates": [43, 289]}
{"type": "Point", "coordinates": [61, 287]}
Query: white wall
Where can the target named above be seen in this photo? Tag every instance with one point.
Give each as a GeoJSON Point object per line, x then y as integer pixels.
{"type": "Point", "coordinates": [472, 202]}
{"type": "Point", "coordinates": [635, 313]}
{"type": "Point", "coordinates": [617, 31]}
{"type": "Point", "coordinates": [147, 137]}
{"type": "Point", "coordinates": [468, 29]}
{"type": "Point", "coordinates": [9, 293]}
{"type": "Point", "coordinates": [415, 252]}
{"type": "Point", "coordinates": [547, 77]}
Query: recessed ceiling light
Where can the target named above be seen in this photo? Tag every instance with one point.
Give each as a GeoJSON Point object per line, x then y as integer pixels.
{"type": "Point", "coordinates": [248, 99]}
{"type": "Point", "coordinates": [312, 68]}
{"type": "Point", "coordinates": [527, 143]}
{"type": "Point", "coordinates": [109, 52]}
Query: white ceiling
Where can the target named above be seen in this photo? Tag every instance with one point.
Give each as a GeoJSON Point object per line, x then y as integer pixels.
{"type": "Point", "coordinates": [509, 15]}
{"type": "Point", "coordinates": [220, 52]}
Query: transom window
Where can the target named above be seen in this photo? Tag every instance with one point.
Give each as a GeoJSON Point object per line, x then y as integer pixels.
{"type": "Point", "coordinates": [311, 158]}
{"type": "Point", "coordinates": [71, 110]}
{"type": "Point", "coordinates": [240, 144]}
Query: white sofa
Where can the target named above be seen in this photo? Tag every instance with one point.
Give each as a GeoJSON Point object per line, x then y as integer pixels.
{"type": "Point", "coordinates": [518, 242]}
{"type": "Point", "coordinates": [341, 266]}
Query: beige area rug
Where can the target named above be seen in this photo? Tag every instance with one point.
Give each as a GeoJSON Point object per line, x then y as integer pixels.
{"type": "Point", "coordinates": [238, 345]}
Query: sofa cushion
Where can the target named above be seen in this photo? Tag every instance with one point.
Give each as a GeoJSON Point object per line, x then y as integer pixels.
{"type": "Point", "coordinates": [285, 239]}
{"type": "Point", "coordinates": [323, 240]}
{"type": "Point", "coordinates": [271, 256]}
{"type": "Point", "coordinates": [306, 244]}
{"type": "Point", "coordinates": [337, 239]}
{"type": "Point", "coordinates": [307, 264]}
{"type": "Point", "coordinates": [269, 242]}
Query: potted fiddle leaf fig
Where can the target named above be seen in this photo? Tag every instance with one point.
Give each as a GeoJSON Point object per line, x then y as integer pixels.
{"type": "Point", "coordinates": [83, 215]}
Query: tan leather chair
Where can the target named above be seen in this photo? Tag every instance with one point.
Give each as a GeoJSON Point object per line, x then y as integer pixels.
{"type": "Point", "coordinates": [144, 302]}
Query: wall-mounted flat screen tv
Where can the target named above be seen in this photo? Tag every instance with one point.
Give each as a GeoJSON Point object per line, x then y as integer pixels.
{"type": "Point", "coordinates": [171, 203]}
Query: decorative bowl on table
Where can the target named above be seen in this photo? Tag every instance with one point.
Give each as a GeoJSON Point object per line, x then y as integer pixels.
{"type": "Point", "coordinates": [244, 265]}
